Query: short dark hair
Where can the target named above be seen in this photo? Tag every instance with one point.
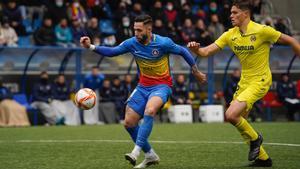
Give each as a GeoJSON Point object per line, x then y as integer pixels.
{"type": "Point", "coordinates": [243, 4]}
{"type": "Point", "coordinates": [146, 19]}
{"type": "Point", "coordinates": [95, 67]}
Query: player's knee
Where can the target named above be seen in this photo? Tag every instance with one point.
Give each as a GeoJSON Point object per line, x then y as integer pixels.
{"type": "Point", "coordinates": [150, 111]}
{"type": "Point", "coordinates": [231, 117]}
{"type": "Point", "coordinates": [129, 123]}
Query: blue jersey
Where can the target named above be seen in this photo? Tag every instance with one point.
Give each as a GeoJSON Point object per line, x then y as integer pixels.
{"type": "Point", "coordinates": [152, 59]}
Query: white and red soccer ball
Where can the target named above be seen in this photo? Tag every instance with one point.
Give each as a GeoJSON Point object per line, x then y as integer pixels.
{"type": "Point", "coordinates": [85, 98]}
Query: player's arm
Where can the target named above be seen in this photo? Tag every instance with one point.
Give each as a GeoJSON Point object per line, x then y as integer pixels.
{"type": "Point", "coordinates": [103, 50]}
{"type": "Point", "coordinates": [205, 51]}
{"type": "Point", "coordinates": [288, 40]}
{"type": "Point", "coordinates": [211, 49]}
{"type": "Point", "coordinates": [179, 50]}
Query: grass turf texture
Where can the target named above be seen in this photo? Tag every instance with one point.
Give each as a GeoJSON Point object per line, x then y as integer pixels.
{"type": "Point", "coordinates": [83, 147]}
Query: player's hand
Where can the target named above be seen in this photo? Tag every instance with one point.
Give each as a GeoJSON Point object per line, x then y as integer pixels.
{"type": "Point", "coordinates": [201, 77]}
{"type": "Point", "coordinates": [193, 46]}
{"type": "Point", "coordinates": [85, 42]}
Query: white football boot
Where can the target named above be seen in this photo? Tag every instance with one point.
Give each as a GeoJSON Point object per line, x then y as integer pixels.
{"type": "Point", "coordinates": [151, 158]}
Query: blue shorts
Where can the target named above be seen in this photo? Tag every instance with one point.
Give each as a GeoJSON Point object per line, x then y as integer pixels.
{"type": "Point", "coordinates": [141, 94]}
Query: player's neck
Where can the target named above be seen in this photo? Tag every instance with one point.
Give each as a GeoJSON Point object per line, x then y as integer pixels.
{"type": "Point", "coordinates": [149, 39]}
{"type": "Point", "coordinates": [244, 25]}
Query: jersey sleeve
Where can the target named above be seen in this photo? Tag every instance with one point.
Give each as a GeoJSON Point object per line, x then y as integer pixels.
{"type": "Point", "coordinates": [222, 41]}
{"type": "Point", "coordinates": [173, 48]}
{"type": "Point", "coordinates": [270, 34]}
{"type": "Point", "coordinates": [113, 51]}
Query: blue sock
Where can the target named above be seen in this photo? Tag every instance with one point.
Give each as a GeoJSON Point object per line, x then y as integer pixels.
{"type": "Point", "coordinates": [144, 132]}
{"type": "Point", "coordinates": [133, 132]}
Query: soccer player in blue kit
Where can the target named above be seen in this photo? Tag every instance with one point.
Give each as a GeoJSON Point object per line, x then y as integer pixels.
{"type": "Point", "coordinates": [151, 53]}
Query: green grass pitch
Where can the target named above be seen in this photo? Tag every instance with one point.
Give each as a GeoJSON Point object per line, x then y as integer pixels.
{"type": "Point", "coordinates": [180, 146]}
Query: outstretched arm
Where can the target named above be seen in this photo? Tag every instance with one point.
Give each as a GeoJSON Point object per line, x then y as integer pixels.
{"type": "Point", "coordinates": [102, 50]}
{"type": "Point", "coordinates": [176, 49]}
{"type": "Point", "coordinates": [288, 40]}
{"type": "Point", "coordinates": [203, 52]}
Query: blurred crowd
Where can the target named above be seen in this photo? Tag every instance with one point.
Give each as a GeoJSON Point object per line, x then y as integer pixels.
{"type": "Point", "coordinates": [109, 22]}
{"type": "Point", "coordinates": [53, 100]}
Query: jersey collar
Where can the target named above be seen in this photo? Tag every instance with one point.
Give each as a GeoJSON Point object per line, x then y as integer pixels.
{"type": "Point", "coordinates": [251, 29]}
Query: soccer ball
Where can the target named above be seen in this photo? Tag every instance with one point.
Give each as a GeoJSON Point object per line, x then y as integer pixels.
{"type": "Point", "coordinates": [85, 98]}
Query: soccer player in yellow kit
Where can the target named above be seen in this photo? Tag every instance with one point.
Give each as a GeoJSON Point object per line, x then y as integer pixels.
{"type": "Point", "coordinates": [251, 43]}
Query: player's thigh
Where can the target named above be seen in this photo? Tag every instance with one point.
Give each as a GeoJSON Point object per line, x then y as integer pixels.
{"type": "Point", "coordinates": [138, 100]}
{"type": "Point", "coordinates": [235, 109]}
{"type": "Point", "coordinates": [158, 97]}
{"type": "Point", "coordinates": [252, 94]}
{"type": "Point", "coordinates": [131, 117]}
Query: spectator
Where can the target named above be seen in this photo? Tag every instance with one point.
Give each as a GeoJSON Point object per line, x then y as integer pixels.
{"type": "Point", "coordinates": [288, 96]}
{"type": "Point", "coordinates": [157, 11]}
{"type": "Point", "coordinates": [213, 9]}
{"type": "Point", "coordinates": [136, 10]}
{"type": "Point", "coordinates": [186, 12]}
{"type": "Point", "coordinates": [62, 104]}
{"type": "Point", "coordinates": [215, 28]}
{"type": "Point", "coordinates": [77, 31]}
{"type": "Point", "coordinates": [13, 14]}
{"type": "Point", "coordinates": [45, 35]}
{"type": "Point", "coordinates": [76, 12]}
{"type": "Point", "coordinates": [256, 9]}
{"type": "Point", "coordinates": [93, 30]}
{"type": "Point", "coordinates": [63, 34]}
{"type": "Point", "coordinates": [34, 8]}
{"type": "Point", "coordinates": [268, 21]}
{"type": "Point", "coordinates": [108, 112]}
{"type": "Point", "coordinates": [121, 12]}
{"type": "Point", "coordinates": [158, 28]}
{"type": "Point", "coordinates": [57, 11]}
{"type": "Point", "coordinates": [11, 112]}
{"type": "Point", "coordinates": [188, 31]}
{"type": "Point", "coordinates": [202, 36]}
{"type": "Point", "coordinates": [231, 86]}
{"type": "Point", "coordinates": [42, 97]}
{"type": "Point", "coordinates": [119, 95]}
{"type": "Point", "coordinates": [101, 9]}
{"type": "Point", "coordinates": [109, 40]}
{"type": "Point", "coordinates": [180, 94]}
{"type": "Point", "coordinates": [173, 33]}
{"type": "Point", "coordinates": [281, 27]}
{"type": "Point", "coordinates": [8, 36]}
{"type": "Point", "coordinates": [124, 31]}
{"type": "Point", "coordinates": [225, 16]}
{"type": "Point", "coordinates": [128, 84]}
{"type": "Point", "coordinates": [170, 13]}
{"type": "Point", "coordinates": [93, 81]}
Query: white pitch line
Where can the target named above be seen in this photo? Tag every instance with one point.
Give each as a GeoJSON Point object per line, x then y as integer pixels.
{"type": "Point", "coordinates": [154, 141]}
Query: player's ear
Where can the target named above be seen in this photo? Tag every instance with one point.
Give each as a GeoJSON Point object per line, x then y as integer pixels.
{"type": "Point", "coordinates": [149, 28]}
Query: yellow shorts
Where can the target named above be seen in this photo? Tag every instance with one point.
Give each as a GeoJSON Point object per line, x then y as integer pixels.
{"type": "Point", "coordinates": [251, 89]}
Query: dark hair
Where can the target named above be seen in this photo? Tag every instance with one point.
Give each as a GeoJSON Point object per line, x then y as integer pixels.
{"type": "Point", "coordinates": [146, 19]}
{"type": "Point", "coordinates": [43, 73]}
{"type": "Point", "coordinates": [95, 67]}
{"type": "Point", "coordinates": [243, 4]}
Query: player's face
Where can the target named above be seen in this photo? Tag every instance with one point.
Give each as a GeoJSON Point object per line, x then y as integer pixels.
{"type": "Point", "coordinates": [141, 32]}
{"type": "Point", "coordinates": [237, 16]}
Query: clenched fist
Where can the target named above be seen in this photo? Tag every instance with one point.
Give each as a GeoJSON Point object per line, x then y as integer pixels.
{"type": "Point", "coordinates": [85, 42]}
{"type": "Point", "coordinates": [193, 46]}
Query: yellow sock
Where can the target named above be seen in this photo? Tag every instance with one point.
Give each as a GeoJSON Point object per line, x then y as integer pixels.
{"type": "Point", "coordinates": [263, 154]}
{"type": "Point", "coordinates": [247, 132]}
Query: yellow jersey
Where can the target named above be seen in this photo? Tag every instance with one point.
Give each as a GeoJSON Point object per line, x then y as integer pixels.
{"type": "Point", "coordinates": [251, 48]}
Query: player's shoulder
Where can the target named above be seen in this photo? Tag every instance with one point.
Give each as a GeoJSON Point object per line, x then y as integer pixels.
{"type": "Point", "coordinates": [163, 40]}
